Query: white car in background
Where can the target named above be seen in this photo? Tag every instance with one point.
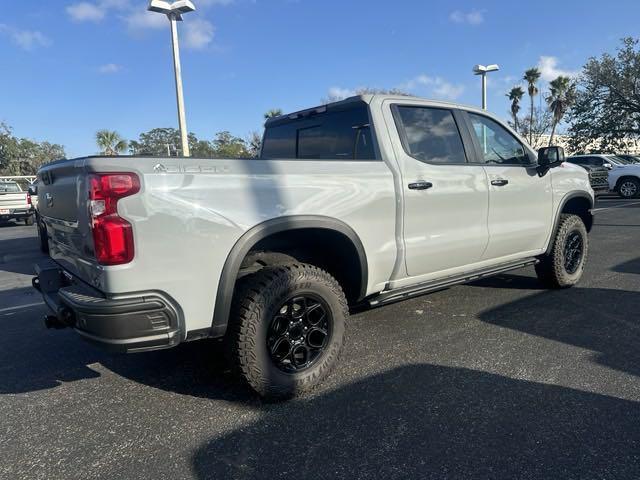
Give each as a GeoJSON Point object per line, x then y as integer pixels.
{"type": "Point", "coordinates": [624, 176]}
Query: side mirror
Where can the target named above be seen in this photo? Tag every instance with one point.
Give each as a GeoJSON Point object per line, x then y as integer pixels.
{"type": "Point", "coordinates": [608, 166]}
{"type": "Point", "coordinates": [550, 156]}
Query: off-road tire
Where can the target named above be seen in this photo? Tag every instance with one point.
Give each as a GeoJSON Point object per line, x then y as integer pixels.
{"type": "Point", "coordinates": [634, 181]}
{"type": "Point", "coordinates": [256, 300]}
{"type": "Point", "coordinates": [43, 237]}
{"type": "Point", "coordinates": [551, 270]}
{"type": "Point", "coordinates": [255, 261]}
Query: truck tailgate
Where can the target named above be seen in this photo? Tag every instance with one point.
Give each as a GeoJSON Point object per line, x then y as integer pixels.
{"type": "Point", "coordinates": [63, 206]}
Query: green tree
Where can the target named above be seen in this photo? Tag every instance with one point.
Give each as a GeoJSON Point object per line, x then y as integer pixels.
{"type": "Point", "coordinates": [531, 76]}
{"type": "Point", "coordinates": [562, 94]}
{"type": "Point", "coordinates": [226, 145]}
{"type": "Point", "coordinates": [163, 142]}
{"type": "Point", "coordinates": [515, 95]}
{"type": "Point", "coordinates": [537, 131]}
{"type": "Point", "coordinates": [22, 156]}
{"type": "Point", "coordinates": [606, 112]}
{"type": "Point", "coordinates": [254, 144]}
{"type": "Point", "coordinates": [274, 112]}
{"type": "Point", "coordinates": [110, 142]}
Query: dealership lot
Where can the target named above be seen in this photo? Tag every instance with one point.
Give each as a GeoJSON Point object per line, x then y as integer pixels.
{"type": "Point", "coordinates": [497, 379]}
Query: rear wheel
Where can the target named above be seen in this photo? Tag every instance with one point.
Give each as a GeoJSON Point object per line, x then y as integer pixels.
{"type": "Point", "coordinates": [629, 188]}
{"type": "Point", "coordinates": [44, 239]}
{"type": "Point", "coordinates": [29, 220]}
{"type": "Point", "coordinates": [286, 329]}
{"type": "Point", "coordinates": [564, 265]}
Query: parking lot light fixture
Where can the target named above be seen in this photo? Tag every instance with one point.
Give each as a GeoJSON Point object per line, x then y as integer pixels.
{"type": "Point", "coordinates": [174, 12]}
{"type": "Point", "coordinates": [482, 70]}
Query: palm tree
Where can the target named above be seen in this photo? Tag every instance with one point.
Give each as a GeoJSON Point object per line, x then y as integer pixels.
{"type": "Point", "coordinates": [110, 142]}
{"type": "Point", "coordinates": [531, 76]}
{"type": "Point", "coordinates": [562, 93]}
{"type": "Point", "coordinates": [274, 112]}
{"type": "Point", "coordinates": [515, 95]}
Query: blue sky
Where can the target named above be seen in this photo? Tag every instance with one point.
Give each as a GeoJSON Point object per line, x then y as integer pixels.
{"type": "Point", "coordinates": [71, 67]}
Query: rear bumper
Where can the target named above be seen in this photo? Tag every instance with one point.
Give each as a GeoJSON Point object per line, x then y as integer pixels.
{"type": "Point", "coordinates": [16, 213]}
{"type": "Point", "coordinates": [124, 323]}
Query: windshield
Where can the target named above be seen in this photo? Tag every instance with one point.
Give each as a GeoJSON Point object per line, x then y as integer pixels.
{"type": "Point", "coordinates": [9, 188]}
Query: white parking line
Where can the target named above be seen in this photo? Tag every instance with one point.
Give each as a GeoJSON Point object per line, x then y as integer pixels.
{"type": "Point", "coordinates": [20, 307]}
{"type": "Point", "coordinates": [615, 206]}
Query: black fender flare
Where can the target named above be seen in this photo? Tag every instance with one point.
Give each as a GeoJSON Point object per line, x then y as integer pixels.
{"type": "Point", "coordinates": [252, 236]}
{"type": "Point", "coordinates": [563, 203]}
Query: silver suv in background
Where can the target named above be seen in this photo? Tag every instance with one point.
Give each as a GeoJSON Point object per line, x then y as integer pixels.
{"type": "Point", "coordinates": [624, 175]}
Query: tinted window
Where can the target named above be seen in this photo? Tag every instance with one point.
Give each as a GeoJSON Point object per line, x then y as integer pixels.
{"type": "Point", "coordinates": [497, 145]}
{"type": "Point", "coordinates": [364, 144]}
{"type": "Point", "coordinates": [279, 142]}
{"type": "Point", "coordinates": [579, 160]}
{"type": "Point", "coordinates": [332, 135]}
{"type": "Point", "coordinates": [9, 187]}
{"type": "Point", "coordinates": [431, 134]}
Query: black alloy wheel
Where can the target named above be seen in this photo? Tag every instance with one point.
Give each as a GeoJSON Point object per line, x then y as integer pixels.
{"type": "Point", "coordinates": [573, 251]}
{"type": "Point", "coordinates": [299, 333]}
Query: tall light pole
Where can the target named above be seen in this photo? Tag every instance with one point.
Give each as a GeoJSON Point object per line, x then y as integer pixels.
{"type": "Point", "coordinates": [174, 12]}
{"type": "Point", "coordinates": [483, 70]}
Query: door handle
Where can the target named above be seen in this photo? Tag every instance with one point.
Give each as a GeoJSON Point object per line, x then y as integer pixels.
{"type": "Point", "coordinates": [420, 185]}
{"type": "Point", "coordinates": [500, 182]}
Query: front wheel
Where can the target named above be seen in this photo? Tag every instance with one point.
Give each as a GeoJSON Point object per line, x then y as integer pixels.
{"type": "Point", "coordinates": [629, 188]}
{"type": "Point", "coordinates": [563, 266]}
{"type": "Point", "coordinates": [286, 329]}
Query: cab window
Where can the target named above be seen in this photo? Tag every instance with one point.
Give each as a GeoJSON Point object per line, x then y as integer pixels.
{"type": "Point", "coordinates": [430, 134]}
{"type": "Point", "coordinates": [497, 145]}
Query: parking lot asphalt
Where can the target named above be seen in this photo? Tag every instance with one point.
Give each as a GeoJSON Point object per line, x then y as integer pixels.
{"type": "Point", "coordinates": [495, 379]}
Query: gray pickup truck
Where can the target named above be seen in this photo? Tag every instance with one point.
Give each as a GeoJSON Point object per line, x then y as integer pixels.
{"type": "Point", "coordinates": [15, 204]}
{"type": "Point", "coordinates": [366, 201]}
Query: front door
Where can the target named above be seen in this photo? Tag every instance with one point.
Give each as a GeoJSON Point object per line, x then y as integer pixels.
{"type": "Point", "coordinates": [520, 201]}
{"type": "Point", "coordinates": [445, 198]}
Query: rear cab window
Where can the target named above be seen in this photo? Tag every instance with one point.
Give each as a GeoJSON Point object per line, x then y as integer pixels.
{"type": "Point", "coordinates": [9, 187]}
{"type": "Point", "coordinates": [430, 134]}
{"type": "Point", "coordinates": [342, 133]}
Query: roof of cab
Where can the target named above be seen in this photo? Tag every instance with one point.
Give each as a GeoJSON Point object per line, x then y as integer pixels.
{"type": "Point", "coordinates": [363, 99]}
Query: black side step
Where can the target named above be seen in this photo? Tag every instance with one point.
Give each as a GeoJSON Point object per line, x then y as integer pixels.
{"type": "Point", "coordinates": [390, 296]}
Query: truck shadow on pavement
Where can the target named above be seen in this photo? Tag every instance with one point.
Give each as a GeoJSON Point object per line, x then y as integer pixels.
{"type": "Point", "coordinates": [601, 320]}
{"type": "Point", "coordinates": [632, 266]}
{"type": "Point", "coordinates": [429, 421]}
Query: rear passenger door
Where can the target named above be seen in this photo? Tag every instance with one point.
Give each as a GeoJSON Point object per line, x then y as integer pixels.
{"type": "Point", "coordinates": [445, 198]}
{"type": "Point", "coordinates": [521, 202]}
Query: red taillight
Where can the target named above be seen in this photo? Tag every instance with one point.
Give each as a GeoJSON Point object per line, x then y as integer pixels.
{"type": "Point", "coordinates": [29, 199]}
{"type": "Point", "coordinates": [112, 235]}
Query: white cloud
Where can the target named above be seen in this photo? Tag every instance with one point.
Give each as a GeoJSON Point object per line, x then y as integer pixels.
{"type": "Point", "coordinates": [198, 33]}
{"type": "Point", "coordinates": [210, 3]}
{"type": "Point", "coordinates": [85, 12]}
{"type": "Point", "coordinates": [109, 68]}
{"type": "Point", "coordinates": [437, 87]}
{"type": "Point", "coordinates": [338, 93]}
{"type": "Point", "coordinates": [143, 19]}
{"type": "Point", "coordinates": [549, 70]}
{"type": "Point", "coordinates": [25, 39]}
{"type": "Point", "coordinates": [473, 17]}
